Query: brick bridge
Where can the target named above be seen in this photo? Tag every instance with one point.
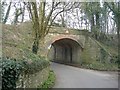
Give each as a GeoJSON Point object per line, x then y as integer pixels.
{"type": "Point", "coordinates": [60, 44]}
{"type": "Point", "coordinates": [64, 45]}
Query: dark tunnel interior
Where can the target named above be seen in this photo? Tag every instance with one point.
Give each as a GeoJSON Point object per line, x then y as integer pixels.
{"type": "Point", "coordinates": [65, 51]}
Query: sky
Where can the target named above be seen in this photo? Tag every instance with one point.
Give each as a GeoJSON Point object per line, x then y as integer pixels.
{"type": "Point", "coordinates": [12, 12]}
{"type": "Point", "coordinates": [68, 20]}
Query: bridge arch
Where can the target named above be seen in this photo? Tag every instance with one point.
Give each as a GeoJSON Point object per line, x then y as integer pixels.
{"type": "Point", "coordinates": [65, 50]}
{"type": "Point", "coordinates": [53, 38]}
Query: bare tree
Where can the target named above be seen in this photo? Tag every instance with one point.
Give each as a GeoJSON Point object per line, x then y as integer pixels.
{"type": "Point", "coordinates": [23, 12]}
{"type": "Point", "coordinates": [7, 13]}
{"type": "Point", "coordinates": [42, 21]}
{"type": "Point", "coordinates": [115, 8]}
{"type": "Point", "coordinates": [18, 12]}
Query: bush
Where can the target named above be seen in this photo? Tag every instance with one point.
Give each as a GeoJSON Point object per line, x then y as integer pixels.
{"type": "Point", "coordinates": [12, 68]}
{"type": "Point", "coordinates": [34, 66]}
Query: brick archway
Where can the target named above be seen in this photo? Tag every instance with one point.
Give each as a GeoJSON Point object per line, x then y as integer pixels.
{"type": "Point", "coordinates": [53, 38]}
{"type": "Point", "coordinates": [65, 50]}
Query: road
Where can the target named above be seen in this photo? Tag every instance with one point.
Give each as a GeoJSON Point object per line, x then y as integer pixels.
{"type": "Point", "coordinates": [73, 77]}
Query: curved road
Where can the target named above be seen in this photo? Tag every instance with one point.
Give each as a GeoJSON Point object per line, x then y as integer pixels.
{"type": "Point", "coordinates": [73, 77]}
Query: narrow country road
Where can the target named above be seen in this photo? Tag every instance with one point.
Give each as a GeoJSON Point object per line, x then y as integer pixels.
{"type": "Point", "coordinates": [73, 77]}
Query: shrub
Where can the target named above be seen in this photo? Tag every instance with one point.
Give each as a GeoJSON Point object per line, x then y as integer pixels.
{"type": "Point", "coordinates": [12, 68]}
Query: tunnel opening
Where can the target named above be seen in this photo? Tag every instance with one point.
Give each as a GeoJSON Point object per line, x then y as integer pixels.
{"type": "Point", "coordinates": [65, 50]}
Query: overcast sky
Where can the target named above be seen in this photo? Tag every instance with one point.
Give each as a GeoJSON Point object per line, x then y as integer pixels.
{"type": "Point", "coordinates": [69, 19]}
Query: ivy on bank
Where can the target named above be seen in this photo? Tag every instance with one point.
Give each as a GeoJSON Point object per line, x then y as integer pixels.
{"type": "Point", "coordinates": [12, 68]}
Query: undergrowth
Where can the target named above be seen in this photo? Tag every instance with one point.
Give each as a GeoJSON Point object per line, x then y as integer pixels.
{"type": "Point", "coordinates": [100, 66]}
{"type": "Point", "coordinates": [49, 83]}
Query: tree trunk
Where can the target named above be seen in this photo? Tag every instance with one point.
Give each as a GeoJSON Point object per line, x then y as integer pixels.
{"type": "Point", "coordinates": [92, 23]}
{"type": "Point", "coordinates": [118, 34]}
{"type": "Point", "coordinates": [35, 46]}
{"type": "Point", "coordinates": [1, 13]}
{"type": "Point", "coordinates": [7, 13]}
{"type": "Point", "coordinates": [23, 13]}
{"type": "Point", "coordinates": [97, 20]}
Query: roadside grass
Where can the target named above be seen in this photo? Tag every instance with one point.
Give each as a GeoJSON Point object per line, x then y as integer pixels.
{"type": "Point", "coordinates": [95, 65]}
{"type": "Point", "coordinates": [100, 66]}
{"type": "Point", "coordinates": [49, 83]}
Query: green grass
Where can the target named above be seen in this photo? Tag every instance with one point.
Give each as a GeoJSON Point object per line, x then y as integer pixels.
{"type": "Point", "coordinates": [95, 65]}
{"type": "Point", "coordinates": [101, 66]}
{"type": "Point", "coordinates": [49, 83]}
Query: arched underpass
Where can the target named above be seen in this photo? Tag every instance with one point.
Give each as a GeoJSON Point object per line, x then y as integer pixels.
{"type": "Point", "coordinates": [65, 50]}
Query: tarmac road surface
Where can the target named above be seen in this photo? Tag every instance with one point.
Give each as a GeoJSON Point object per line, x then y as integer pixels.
{"type": "Point", "coordinates": [73, 77]}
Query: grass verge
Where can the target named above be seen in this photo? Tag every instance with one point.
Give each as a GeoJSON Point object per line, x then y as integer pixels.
{"type": "Point", "coordinates": [95, 66]}
{"type": "Point", "coordinates": [101, 66]}
{"type": "Point", "coordinates": [49, 83]}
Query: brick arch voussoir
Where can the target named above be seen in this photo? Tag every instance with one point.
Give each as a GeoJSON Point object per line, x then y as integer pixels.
{"type": "Point", "coordinates": [58, 37]}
